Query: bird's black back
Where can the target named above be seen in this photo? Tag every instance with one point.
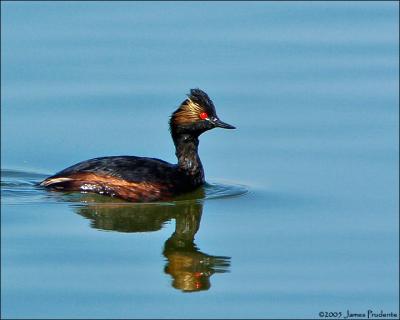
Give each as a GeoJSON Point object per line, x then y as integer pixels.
{"type": "Point", "coordinates": [129, 168]}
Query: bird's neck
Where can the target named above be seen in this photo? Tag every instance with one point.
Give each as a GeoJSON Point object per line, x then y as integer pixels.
{"type": "Point", "coordinates": [186, 146]}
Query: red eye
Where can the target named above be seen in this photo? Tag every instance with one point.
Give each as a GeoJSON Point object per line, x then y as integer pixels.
{"type": "Point", "coordinates": [203, 115]}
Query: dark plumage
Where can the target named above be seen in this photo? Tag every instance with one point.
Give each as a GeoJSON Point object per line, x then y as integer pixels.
{"type": "Point", "coordinates": [141, 179]}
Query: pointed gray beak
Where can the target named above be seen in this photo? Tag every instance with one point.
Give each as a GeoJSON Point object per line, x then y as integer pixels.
{"type": "Point", "coordinates": [220, 124]}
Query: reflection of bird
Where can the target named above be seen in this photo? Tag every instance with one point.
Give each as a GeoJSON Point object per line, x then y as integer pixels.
{"type": "Point", "coordinates": [190, 268]}
{"type": "Point", "coordinates": [141, 179]}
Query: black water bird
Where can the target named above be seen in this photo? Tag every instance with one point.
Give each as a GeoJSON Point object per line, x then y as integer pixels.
{"type": "Point", "coordinates": [141, 179]}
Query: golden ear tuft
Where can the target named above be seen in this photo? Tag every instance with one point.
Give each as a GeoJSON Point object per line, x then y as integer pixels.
{"type": "Point", "coordinates": [188, 112]}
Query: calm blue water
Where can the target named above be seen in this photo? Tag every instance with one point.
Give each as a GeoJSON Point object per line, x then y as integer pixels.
{"type": "Point", "coordinates": [301, 213]}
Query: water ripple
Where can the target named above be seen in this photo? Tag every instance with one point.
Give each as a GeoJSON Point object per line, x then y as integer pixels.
{"type": "Point", "coordinates": [20, 187]}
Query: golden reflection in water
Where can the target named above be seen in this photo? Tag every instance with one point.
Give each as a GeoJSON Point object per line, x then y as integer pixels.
{"type": "Point", "coordinates": [189, 268]}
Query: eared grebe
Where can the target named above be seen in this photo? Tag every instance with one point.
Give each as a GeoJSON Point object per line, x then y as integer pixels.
{"type": "Point", "coordinates": [140, 179]}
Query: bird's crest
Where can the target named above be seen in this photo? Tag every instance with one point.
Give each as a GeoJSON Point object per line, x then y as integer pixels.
{"type": "Point", "coordinates": [198, 106]}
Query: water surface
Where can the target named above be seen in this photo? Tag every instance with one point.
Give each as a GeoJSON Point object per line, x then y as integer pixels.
{"type": "Point", "coordinates": [300, 214]}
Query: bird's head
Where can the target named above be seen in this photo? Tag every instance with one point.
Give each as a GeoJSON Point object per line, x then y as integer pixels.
{"type": "Point", "coordinates": [196, 115]}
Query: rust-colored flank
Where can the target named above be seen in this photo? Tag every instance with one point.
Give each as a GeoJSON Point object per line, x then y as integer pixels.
{"type": "Point", "coordinates": [111, 186]}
